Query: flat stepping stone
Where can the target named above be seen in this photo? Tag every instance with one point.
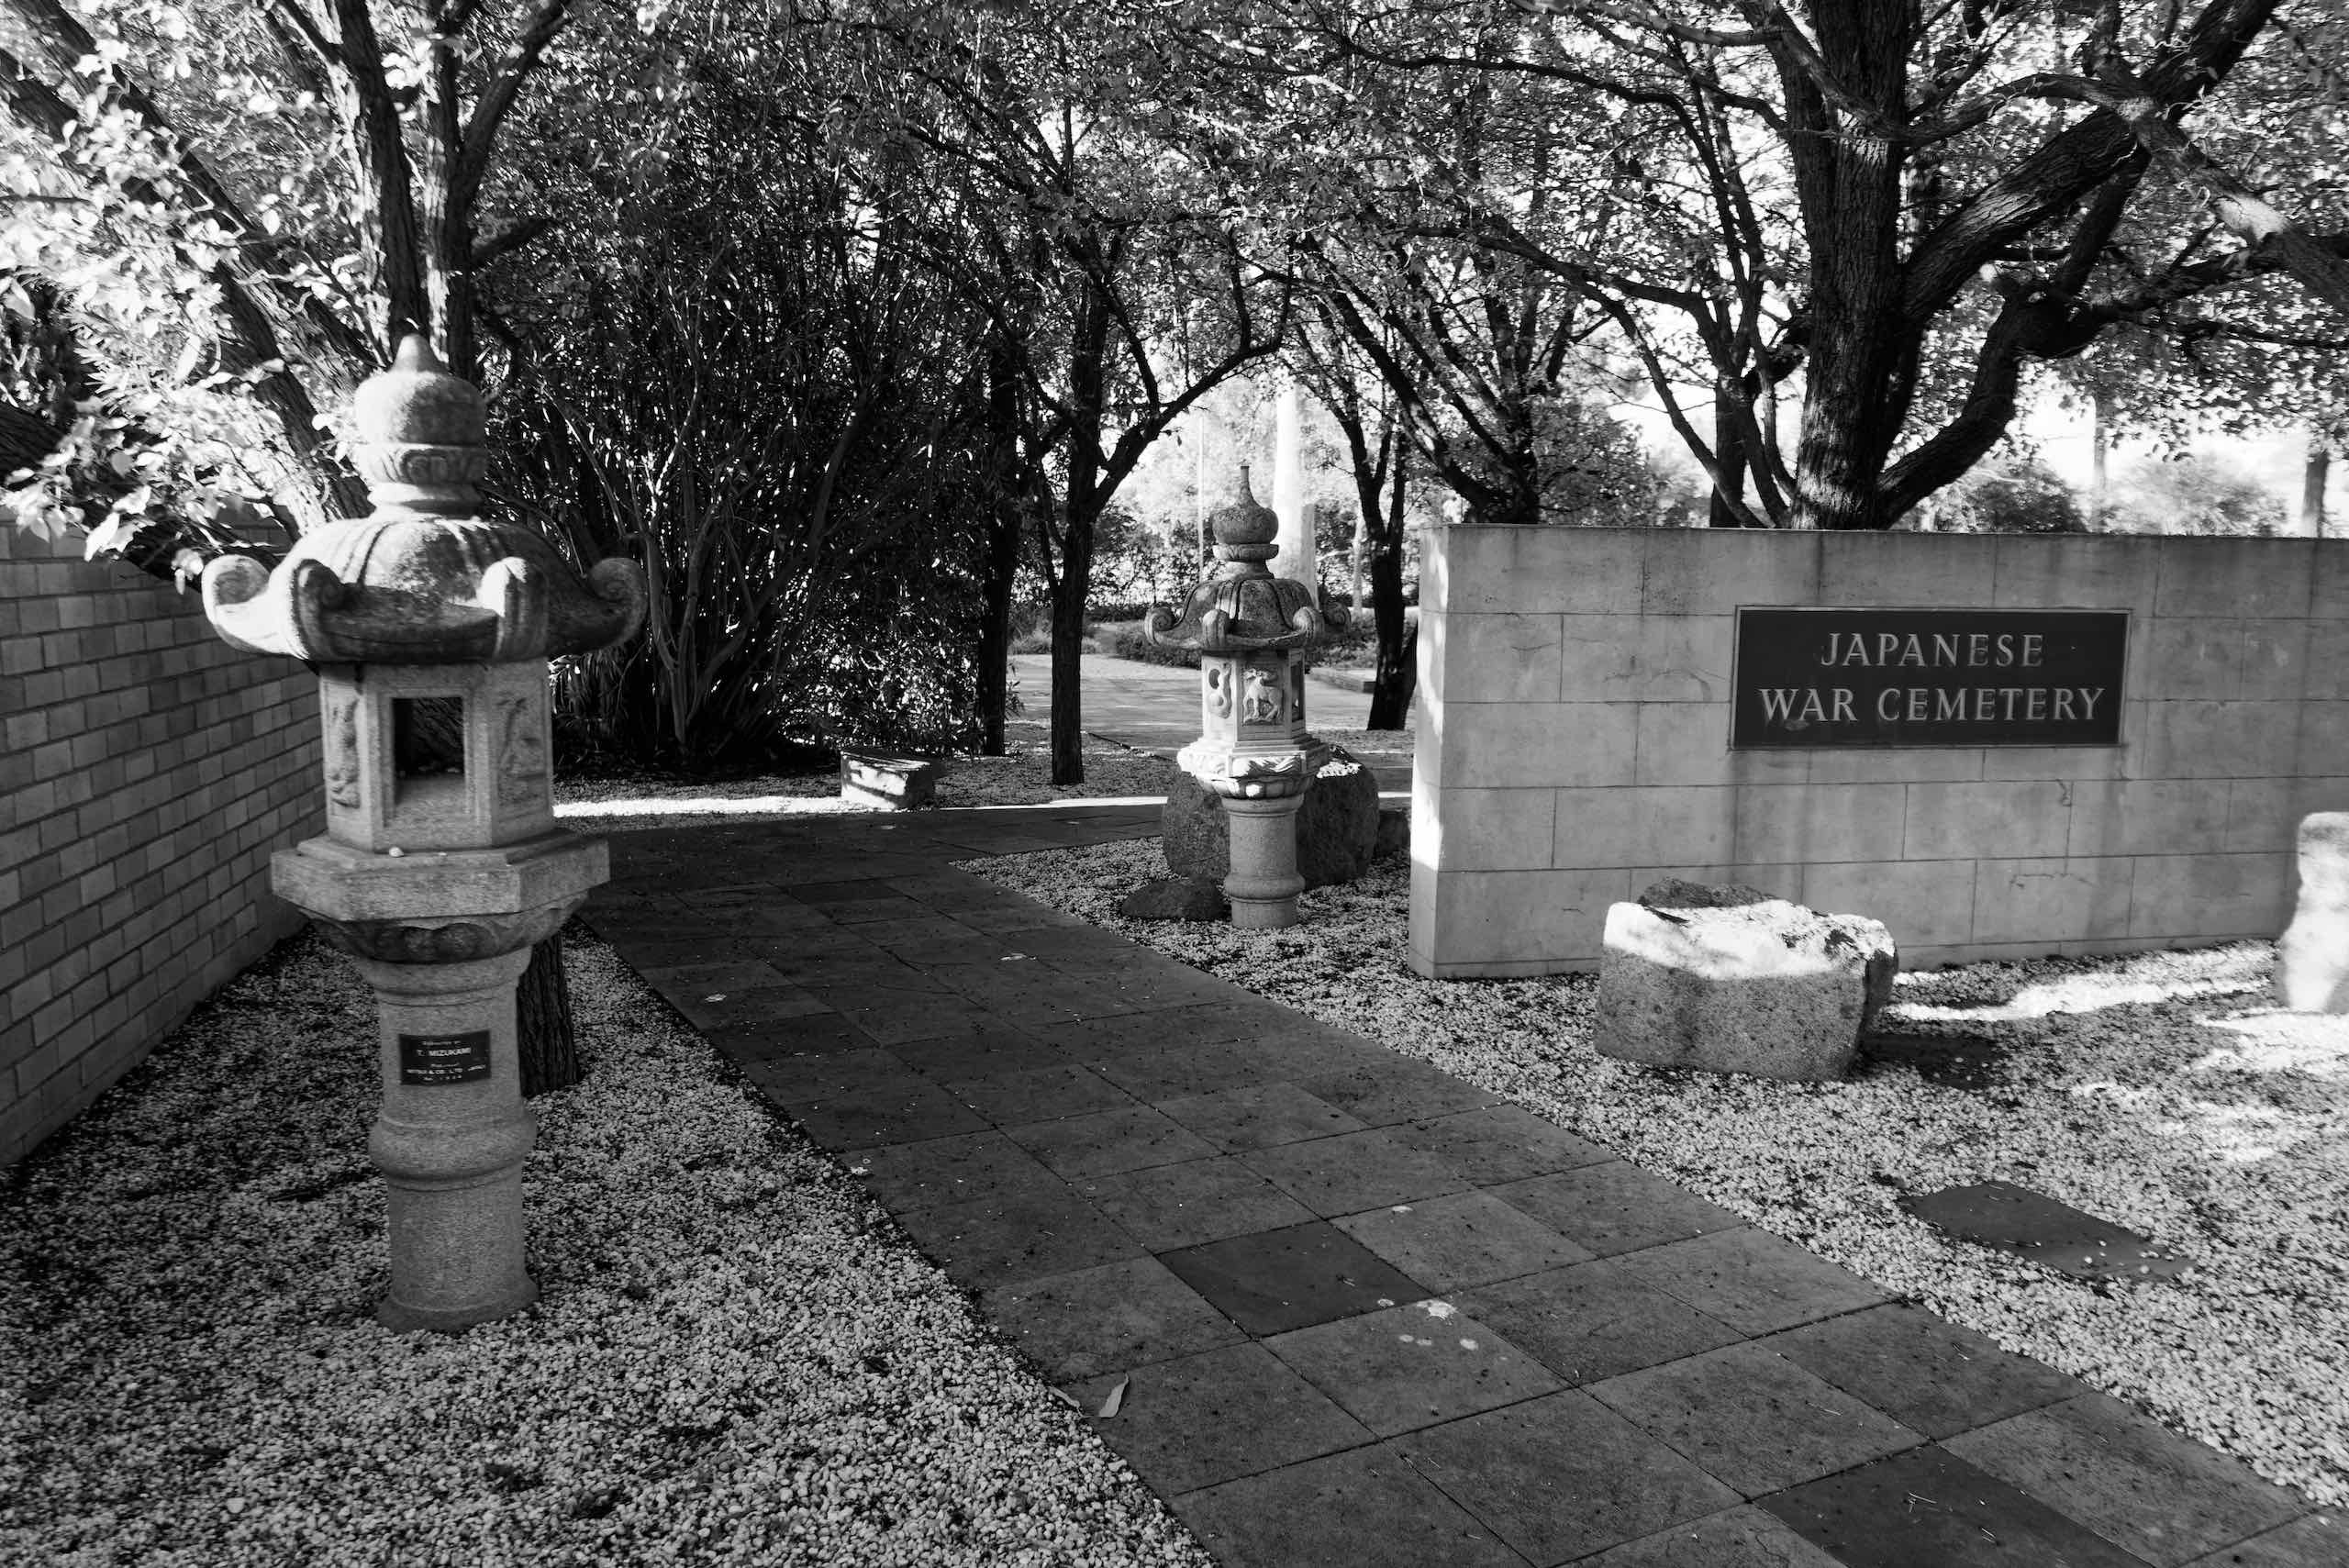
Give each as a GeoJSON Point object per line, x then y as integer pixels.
{"type": "Point", "coordinates": [2034, 1226]}
{"type": "Point", "coordinates": [1951, 1061]}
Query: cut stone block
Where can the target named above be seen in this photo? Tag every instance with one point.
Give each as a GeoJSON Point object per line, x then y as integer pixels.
{"type": "Point", "coordinates": [1337, 828]}
{"type": "Point", "coordinates": [2034, 1226]}
{"type": "Point", "coordinates": [1731, 980]}
{"type": "Point", "coordinates": [890, 781]}
{"type": "Point", "coordinates": [1176, 898]}
{"type": "Point", "coordinates": [2312, 958]}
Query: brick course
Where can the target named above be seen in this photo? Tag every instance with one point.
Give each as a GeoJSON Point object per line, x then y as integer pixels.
{"type": "Point", "coordinates": [146, 772]}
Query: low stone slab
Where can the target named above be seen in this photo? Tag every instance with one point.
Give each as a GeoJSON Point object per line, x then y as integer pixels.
{"type": "Point", "coordinates": [889, 781]}
{"type": "Point", "coordinates": [1176, 898]}
{"type": "Point", "coordinates": [2312, 958]}
{"type": "Point", "coordinates": [1337, 827]}
{"type": "Point", "coordinates": [1731, 980]}
{"type": "Point", "coordinates": [2033, 1225]}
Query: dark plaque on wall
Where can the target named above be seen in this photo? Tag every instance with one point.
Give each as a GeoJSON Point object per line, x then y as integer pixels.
{"type": "Point", "coordinates": [444, 1057]}
{"type": "Point", "coordinates": [1822, 677]}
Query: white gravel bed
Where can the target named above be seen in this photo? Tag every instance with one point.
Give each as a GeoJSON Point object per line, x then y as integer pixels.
{"type": "Point", "coordinates": [2159, 1091]}
{"type": "Point", "coordinates": [1113, 773]}
{"type": "Point", "coordinates": [737, 1358]}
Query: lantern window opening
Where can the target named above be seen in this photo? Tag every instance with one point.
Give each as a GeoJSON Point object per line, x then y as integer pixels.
{"type": "Point", "coordinates": [428, 748]}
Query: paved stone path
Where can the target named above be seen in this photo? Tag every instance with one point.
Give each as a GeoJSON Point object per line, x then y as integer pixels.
{"type": "Point", "coordinates": [1364, 1315]}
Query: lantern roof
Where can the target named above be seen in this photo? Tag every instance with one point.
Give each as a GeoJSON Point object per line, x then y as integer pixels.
{"type": "Point", "coordinates": [1241, 607]}
{"type": "Point", "coordinates": [423, 579]}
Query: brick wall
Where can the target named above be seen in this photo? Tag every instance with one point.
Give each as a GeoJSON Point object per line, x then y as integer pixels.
{"type": "Point", "coordinates": [1572, 744]}
{"type": "Point", "coordinates": [147, 770]}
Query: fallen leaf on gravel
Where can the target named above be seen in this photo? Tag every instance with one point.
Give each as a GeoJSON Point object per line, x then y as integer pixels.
{"type": "Point", "coordinates": [1117, 1399]}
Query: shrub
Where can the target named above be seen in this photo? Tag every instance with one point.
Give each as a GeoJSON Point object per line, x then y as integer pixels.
{"type": "Point", "coordinates": [1124, 639]}
{"type": "Point", "coordinates": [2193, 495]}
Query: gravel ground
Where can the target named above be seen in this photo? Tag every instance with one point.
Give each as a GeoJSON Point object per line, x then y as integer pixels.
{"type": "Point", "coordinates": [2158, 1091]}
{"type": "Point", "coordinates": [737, 1358]}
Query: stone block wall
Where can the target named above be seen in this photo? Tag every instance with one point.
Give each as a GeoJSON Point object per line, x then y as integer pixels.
{"type": "Point", "coordinates": [147, 771]}
{"type": "Point", "coordinates": [1572, 744]}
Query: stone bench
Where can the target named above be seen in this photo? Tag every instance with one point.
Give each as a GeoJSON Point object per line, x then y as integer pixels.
{"type": "Point", "coordinates": [889, 781]}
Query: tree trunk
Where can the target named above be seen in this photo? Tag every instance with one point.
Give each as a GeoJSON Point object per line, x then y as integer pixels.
{"type": "Point", "coordinates": [1002, 567]}
{"type": "Point", "coordinates": [1397, 672]}
{"type": "Point", "coordinates": [1728, 458]}
{"type": "Point", "coordinates": [2313, 477]}
{"type": "Point", "coordinates": [1068, 673]}
{"type": "Point", "coordinates": [550, 1051]}
{"type": "Point", "coordinates": [2099, 455]}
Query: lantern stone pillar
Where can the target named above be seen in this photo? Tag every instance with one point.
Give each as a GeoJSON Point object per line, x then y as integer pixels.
{"type": "Point", "coordinates": [1251, 631]}
{"type": "Point", "coordinates": [441, 864]}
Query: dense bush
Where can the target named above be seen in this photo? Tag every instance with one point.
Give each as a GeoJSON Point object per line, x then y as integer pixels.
{"type": "Point", "coordinates": [1124, 639]}
{"type": "Point", "coordinates": [2011, 495]}
{"type": "Point", "coordinates": [2192, 495]}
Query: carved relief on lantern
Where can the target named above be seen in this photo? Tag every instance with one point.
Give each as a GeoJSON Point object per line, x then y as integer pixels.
{"type": "Point", "coordinates": [522, 750]}
{"type": "Point", "coordinates": [1216, 687]}
{"type": "Point", "coordinates": [1263, 701]}
{"type": "Point", "coordinates": [342, 748]}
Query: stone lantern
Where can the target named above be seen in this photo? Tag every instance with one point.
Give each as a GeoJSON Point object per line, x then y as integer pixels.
{"type": "Point", "coordinates": [441, 864]}
{"type": "Point", "coordinates": [1251, 631]}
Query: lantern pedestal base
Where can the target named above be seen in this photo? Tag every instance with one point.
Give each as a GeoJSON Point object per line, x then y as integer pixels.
{"type": "Point", "coordinates": [1263, 883]}
{"type": "Point", "coordinates": [451, 1139]}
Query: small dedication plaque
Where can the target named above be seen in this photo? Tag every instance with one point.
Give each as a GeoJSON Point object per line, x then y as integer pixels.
{"type": "Point", "coordinates": [444, 1057]}
{"type": "Point", "coordinates": [1822, 677]}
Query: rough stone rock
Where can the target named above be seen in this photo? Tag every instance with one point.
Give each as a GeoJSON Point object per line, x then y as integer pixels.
{"type": "Point", "coordinates": [889, 781]}
{"type": "Point", "coordinates": [1730, 980]}
{"type": "Point", "coordinates": [1337, 827]}
{"type": "Point", "coordinates": [1176, 898]}
{"type": "Point", "coordinates": [2312, 958]}
{"type": "Point", "coordinates": [1394, 831]}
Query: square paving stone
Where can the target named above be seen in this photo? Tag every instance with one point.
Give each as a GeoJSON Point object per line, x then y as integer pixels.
{"type": "Point", "coordinates": [1277, 1280]}
{"type": "Point", "coordinates": [1178, 1072]}
{"type": "Point", "coordinates": [1561, 1476]}
{"type": "Point", "coordinates": [1100, 1143]}
{"type": "Point", "coordinates": [1929, 1505]}
{"type": "Point", "coordinates": [1039, 1094]}
{"type": "Point", "coordinates": [1500, 1143]}
{"type": "Point", "coordinates": [812, 1034]}
{"type": "Point", "coordinates": [1736, 1538]}
{"type": "Point", "coordinates": [735, 974]}
{"type": "Point", "coordinates": [1016, 1236]}
{"type": "Point", "coordinates": [1363, 1508]}
{"type": "Point", "coordinates": [2312, 1540]}
{"type": "Point", "coordinates": [911, 1015]}
{"type": "Point", "coordinates": [2168, 1498]}
{"type": "Point", "coordinates": [1593, 1321]}
{"type": "Point", "coordinates": [743, 1009]}
{"type": "Point", "coordinates": [1412, 1366]}
{"type": "Point", "coordinates": [1462, 1240]}
{"type": "Point", "coordinates": [1753, 1419]}
{"type": "Point", "coordinates": [791, 1080]}
{"type": "Point", "coordinates": [1382, 1087]}
{"type": "Point", "coordinates": [1200, 1024]}
{"type": "Point", "coordinates": [964, 1168]}
{"type": "Point", "coordinates": [894, 1113]}
{"type": "Point", "coordinates": [1615, 1207]}
{"type": "Point", "coordinates": [1216, 1415]}
{"type": "Point", "coordinates": [1166, 1206]}
{"type": "Point", "coordinates": [987, 1049]}
{"type": "Point", "coordinates": [1353, 1171]}
{"type": "Point", "coordinates": [2053, 1234]}
{"type": "Point", "coordinates": [1259, 1116]}
{"type": "Point", "coordinates": [1751, 1281]}
{"type": "Point", "coordinates": [1921, 1370]}
{"type": "Point", "coordinates": [1107, 1318]}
